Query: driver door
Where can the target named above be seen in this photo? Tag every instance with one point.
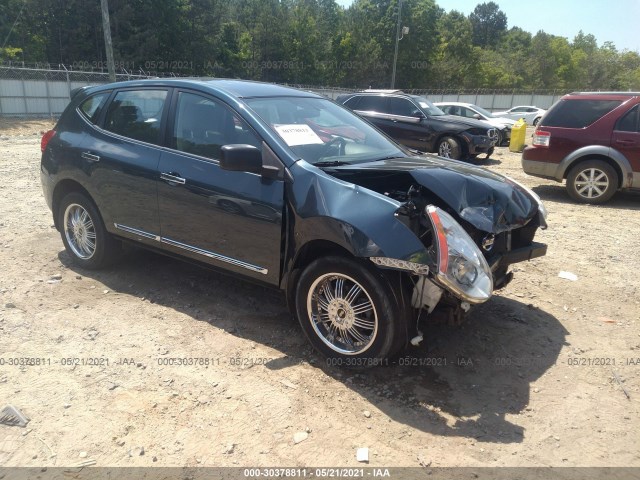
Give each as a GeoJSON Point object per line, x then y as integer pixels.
{"type": "Point", "coordinates": [231, 220]}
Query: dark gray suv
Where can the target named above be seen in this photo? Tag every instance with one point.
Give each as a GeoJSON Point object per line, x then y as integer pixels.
{"type": "Point", "coordinates": [414, 121]}
{"type": "Point", "coordinates": [289, 189]}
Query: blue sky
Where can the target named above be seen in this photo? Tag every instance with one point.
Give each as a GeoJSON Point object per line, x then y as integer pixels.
{"type": "Point", "coordinates": [614, 20]}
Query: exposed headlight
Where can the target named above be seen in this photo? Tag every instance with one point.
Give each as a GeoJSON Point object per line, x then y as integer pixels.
{"type": "Point", "coordinates": [462, 268]}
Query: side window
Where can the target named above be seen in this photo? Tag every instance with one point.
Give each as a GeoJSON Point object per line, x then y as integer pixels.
{"type": "Point", "coordinates": [202, 126]}
{"type": "Point", "coordinates": [467, 112]}
{"type": "Point", "coordinates": [92, 106]}
{"type": "Point", "coordinates": [402, 106]}
{"type": "Point", "coordinates": [371, 103]}
{"type": "Point", "coordinates": [353, 102]}
{"type": "Point", "coordinates": [136, 114]}
{"type": "Point", "coordinates": [629, 122]}
{"type": "Point", "coordinates": [578, 113]}
{"type": "Point", "coordinates": [445, 108]}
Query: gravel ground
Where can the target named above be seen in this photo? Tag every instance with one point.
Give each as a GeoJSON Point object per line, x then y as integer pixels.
{"type": "Point", "coordinates": [536, 376]}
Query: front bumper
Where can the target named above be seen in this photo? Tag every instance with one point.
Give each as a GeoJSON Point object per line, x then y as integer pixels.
{"type": "Point", "coordinates": [517, 255]}
{"type": "Point", "coordinates": [477, 144]}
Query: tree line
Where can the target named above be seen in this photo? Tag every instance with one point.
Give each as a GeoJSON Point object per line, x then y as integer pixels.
{"type": "Point", "coordinates": [315, 42]}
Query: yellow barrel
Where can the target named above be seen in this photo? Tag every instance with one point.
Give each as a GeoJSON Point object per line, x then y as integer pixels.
{"type": "Point", "coordinates": [518, 133]}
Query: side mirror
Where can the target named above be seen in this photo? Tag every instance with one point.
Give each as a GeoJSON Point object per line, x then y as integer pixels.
{"type": "Point", "coordinates": [477, 116]}
{"type": "Point", "coordinates": [241, 158]}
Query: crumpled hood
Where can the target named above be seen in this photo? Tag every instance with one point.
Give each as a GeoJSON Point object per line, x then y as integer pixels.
{"type": "Point", "coordinates": [487, 200]}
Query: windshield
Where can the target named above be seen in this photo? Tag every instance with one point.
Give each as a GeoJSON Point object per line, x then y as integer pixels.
{"type": "Point", "coordinates": [321, 132]}
{"type": "Point", "coordinates": [482, 111]}
{"type": "Point", "coordinates": [427, 107]}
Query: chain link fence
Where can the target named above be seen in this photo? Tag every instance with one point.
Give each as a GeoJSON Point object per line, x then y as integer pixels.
{"type": "Point", "coordinates": [43, 90]}
{"type": "Point", "coordinates": [34, 91]}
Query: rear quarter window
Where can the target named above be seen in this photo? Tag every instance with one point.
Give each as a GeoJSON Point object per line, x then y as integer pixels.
{"type": "Point", "coordinates": [92, 106]}
{"type": "Point", "coordinates": [371, 104]}
{"type": "Point", "coordinates": [578, 113]}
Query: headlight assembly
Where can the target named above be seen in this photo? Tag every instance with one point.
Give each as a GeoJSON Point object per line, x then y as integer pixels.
{"type": "Point", "coordinates": [462, 268]}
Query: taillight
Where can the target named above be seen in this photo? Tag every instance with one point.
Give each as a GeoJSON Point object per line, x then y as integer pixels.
{"type": "Point", "coordinates": [541, 138]}
{"type": "Point", "coordinates": [45, 139]}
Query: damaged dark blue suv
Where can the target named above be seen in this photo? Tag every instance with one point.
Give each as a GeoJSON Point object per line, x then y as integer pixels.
{"type": "Point", "coordinates": [290, 189]}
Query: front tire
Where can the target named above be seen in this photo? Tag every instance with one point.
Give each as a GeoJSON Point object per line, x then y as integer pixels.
{"type": "Point", "coordinates": [592, 181]}
{"type": "Point", "coordinates": [450, 147]}
{"type": "Point", "coordinates": [348, 313]}
{"type": "Point", "coordinates": [83, 233]}
{"type": "Point", "coordinates": [536, 121]}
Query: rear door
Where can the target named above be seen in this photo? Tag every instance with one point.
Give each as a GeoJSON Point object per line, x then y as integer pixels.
{"type": "Point", "coordinates": [231, 220]}
{"type": "Point", "coordinates": [123, 159]}
{"type": "Point", "coordinates": [374, 108]}
{"type": "Point", "coordinates": [626, 139]}
{"type": "Point", "coordinates": [407, 126]}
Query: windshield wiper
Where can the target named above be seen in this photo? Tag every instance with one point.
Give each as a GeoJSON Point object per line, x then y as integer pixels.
{"type": "Point", "coordinates": [332, 163]}
{"type": "Point", "coordinates": [390, 157]}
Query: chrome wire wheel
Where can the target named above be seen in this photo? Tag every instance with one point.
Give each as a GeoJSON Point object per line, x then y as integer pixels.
{"type": "Point", "coordinates": [79, 231]}
{"type": "Point", "coordinates": [591, 183]}
{"type": "Point", "coordinates": [342, 314]}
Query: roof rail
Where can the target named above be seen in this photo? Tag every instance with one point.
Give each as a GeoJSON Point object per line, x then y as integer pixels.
{"type": "Point", "coordinates": [630, 94]}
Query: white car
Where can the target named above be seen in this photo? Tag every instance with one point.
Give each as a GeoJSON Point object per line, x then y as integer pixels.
{"type": "Point", "coordinates": [531, 115]}
{"type": "Point", "coordinates": [469, 110]}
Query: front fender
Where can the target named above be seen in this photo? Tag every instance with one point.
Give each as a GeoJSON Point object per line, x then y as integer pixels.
{"type": "Point", "coordinates": [357, 219]}
{"type": "Point", "coordinates": [597, 150]}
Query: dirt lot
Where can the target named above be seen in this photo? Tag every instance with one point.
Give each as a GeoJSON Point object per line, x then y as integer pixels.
{"type": "Point", "coordinates": [522, 383]}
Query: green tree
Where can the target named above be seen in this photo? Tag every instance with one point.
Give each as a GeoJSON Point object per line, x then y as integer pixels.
{"type": "Point", "coordinates": [456, 59]}
{"type": "Point", "coordinates": [489, 24]}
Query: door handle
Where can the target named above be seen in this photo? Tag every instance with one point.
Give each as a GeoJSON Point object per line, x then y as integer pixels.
{"type": "Point", "coordinates": [90, 156]}
{"type": "Point", "coordinates": [172, 177]}
{"type": "Point", "coordinates": [625, 142]}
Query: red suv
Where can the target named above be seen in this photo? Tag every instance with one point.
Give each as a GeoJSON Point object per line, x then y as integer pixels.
{"type": "Point", "coordinates": [593, 141]}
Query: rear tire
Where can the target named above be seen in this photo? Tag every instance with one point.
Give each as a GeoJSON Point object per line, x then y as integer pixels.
{"type": "Point", "coordinates": [348, 313]}
{"type": "Point", "coordinates": [592, 181]}
{"type": "Point", "coordinates": [450, 147]}
{"type": "Point", "coordinates": [83, 233]}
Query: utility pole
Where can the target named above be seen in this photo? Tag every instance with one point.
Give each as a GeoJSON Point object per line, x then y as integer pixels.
{"type": "Point", "coordinates": [108, 46]}
{"type": "Point", "coordinates": [395, 55]}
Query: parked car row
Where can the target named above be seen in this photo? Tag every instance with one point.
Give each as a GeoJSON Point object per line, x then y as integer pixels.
{"type": "Point", "coordinates": [415, 122]}
{"type": "Point", "coordinates": [469, 110]}
{"type": "Point", "coordinates": [289, 189]}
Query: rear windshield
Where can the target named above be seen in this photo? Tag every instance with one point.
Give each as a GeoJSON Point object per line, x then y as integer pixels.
{"type": "Point", "coordinates": [578, 113]}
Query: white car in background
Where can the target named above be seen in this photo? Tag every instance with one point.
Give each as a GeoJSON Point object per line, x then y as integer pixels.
{"type": "Point", "coordinates": [531, 115]}
{"type": "Point", "coordinates": [469, 110]}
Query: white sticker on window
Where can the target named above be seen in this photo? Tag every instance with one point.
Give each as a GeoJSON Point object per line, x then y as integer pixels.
{"type": "Point", "coordinates": [297, 134]}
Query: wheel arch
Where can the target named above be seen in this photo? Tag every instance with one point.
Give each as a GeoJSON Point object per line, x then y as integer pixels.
{"type": "Point", "coordinates": [459, 138]}
{"type": "Point", "coordinates": [397, 283]}
{"type": "Point", "coordinates": [604, 158]}
{"type": "Point", "coordinates": [310, 251]}
{"type": "Point", "coordinates": [61, 190]}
